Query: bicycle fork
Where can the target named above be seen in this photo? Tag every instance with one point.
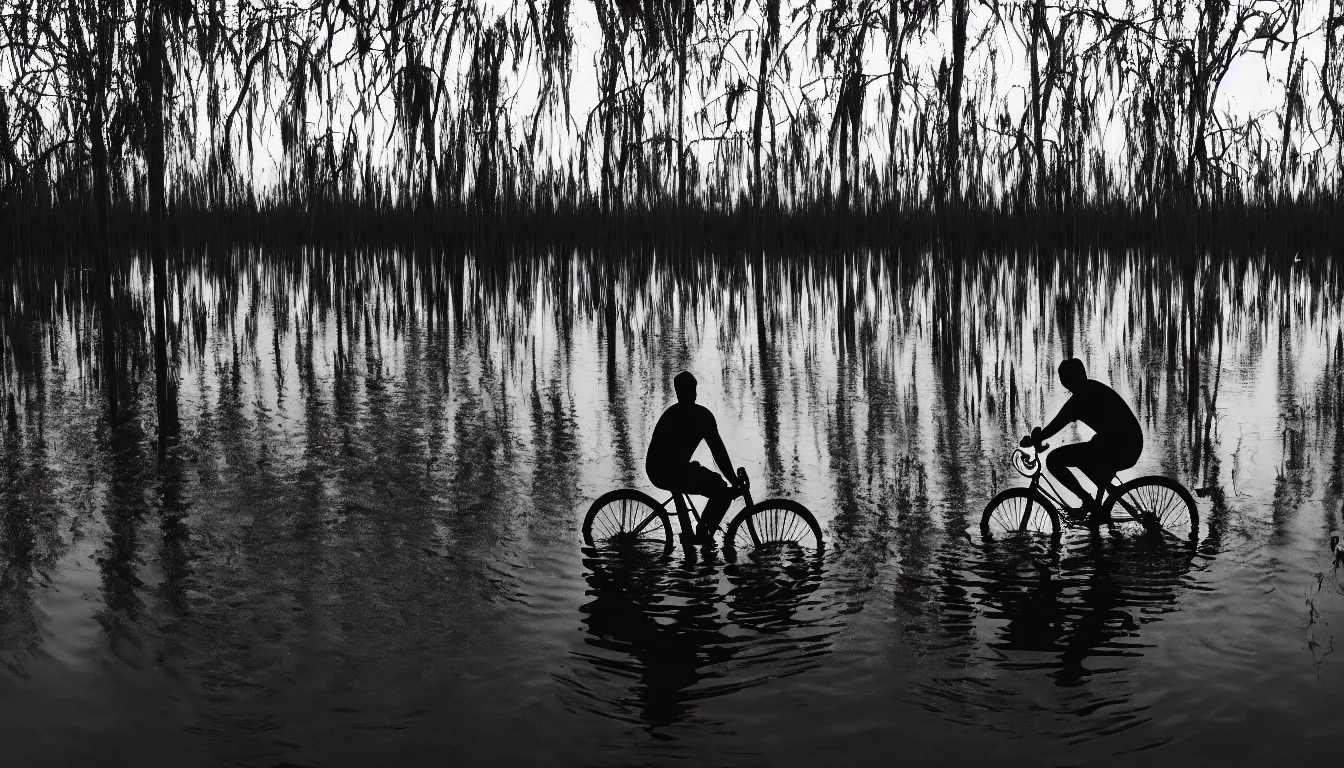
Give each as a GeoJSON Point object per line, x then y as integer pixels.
{"type": "Point", "coordinates": [1032, 490]}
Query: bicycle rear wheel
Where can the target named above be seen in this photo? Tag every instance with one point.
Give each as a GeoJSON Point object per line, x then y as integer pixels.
{"type": "Point", "coordinates": [1157, 504]}
{"type": "Point", "coordinates": [628, 518]}
{"type": "Point", "coordinates": [775, 525]}
{"type": "Point", "coordinates": [1019, 510]}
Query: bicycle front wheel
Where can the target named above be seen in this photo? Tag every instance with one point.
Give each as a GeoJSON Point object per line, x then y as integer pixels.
{"type": "Point", "coordinates": [780, 525]}
{"type": "Point", "coordinates": [1159, 504]}
{"type": "Point", "coordinates": [1019, 510]}
{"type": "Point", "coordinates": [628, 518]}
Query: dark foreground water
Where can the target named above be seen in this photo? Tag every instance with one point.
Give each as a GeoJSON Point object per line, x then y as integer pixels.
{"type": "Point", "coordinates": [365, 547]}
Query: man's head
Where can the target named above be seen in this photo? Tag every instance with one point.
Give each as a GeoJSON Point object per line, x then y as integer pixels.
{"type": "Point", "coordinates": [1072, 373]}
{"type": "Point", "coordinates": [684, 383]}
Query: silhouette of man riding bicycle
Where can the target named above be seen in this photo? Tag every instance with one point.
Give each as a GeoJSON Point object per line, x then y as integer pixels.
{"type": "Point", "coordinates": [1117, 444]}
{"type": "Point", "coordinates": [628, 516]}
{"type": "Point", "coordinates": [1154, 504]}
{"type": "Point", "coordinates": [678, 433]}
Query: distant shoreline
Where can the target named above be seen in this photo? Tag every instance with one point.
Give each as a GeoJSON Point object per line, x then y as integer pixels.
{"type": "Point", "coordinates": [1277, 228]}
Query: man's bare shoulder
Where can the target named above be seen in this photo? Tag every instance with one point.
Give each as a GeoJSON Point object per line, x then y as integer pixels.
{"type": "Point", "coordinates": [700, 413]}
{"type": "Point", "coordinates": [689, 415]}
{"type": "Point", "coordinates": [690, 411]}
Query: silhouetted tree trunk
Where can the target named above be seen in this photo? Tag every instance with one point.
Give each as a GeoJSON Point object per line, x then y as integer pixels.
{"type": "Point", "coordinates": [857, 88]}
{"type": "Point", "coordinates": [1292, 100]}
{"type": "Point", "coordinates": [767, 34]}
{"type": "Point", "coordinates": [904, 21]}
{"type": "Point", "coordinates": [611, 60]}
{"type": "Point", "coordinates": [1330, 74]}
{"type": "Point", "coordinates": [952, 183]}
{"type": "Point", "coordinates": [154, 61]}
{"type": "Point", "coordinates": [762, 90]}
{"type": "Point", "coordinates": [687, 14]}
{"type": "Point", "coordinates": [950, 203]}
{"type": "Point", "coordinates": [96, 65]}
{"type": "Point", "coordinates": [843, 117]}
{"type": "Point", "coordinates": [1037, 107]}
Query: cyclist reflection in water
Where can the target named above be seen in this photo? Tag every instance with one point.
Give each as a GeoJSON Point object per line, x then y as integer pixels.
{"type": "Point", "coordinates": [1115, 446]}
{"type": "Point", "coordinates": [675, 438]}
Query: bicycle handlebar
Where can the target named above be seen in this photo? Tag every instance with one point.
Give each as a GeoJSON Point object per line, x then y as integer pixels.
{"type": "Point", "coordinates": [1026, 442]}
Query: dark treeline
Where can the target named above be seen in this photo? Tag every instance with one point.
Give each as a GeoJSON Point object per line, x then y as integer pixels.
{"type": "Point", "coordinates": [1281, 228]}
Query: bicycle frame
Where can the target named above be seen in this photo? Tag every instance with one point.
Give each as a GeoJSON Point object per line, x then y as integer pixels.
{"type": "Point", "coordinates": [1049, 490]}
{"type": "Point", "coordinates": [683, 504]}
{"type": "Point", "coordinates": [1031, 465]}
{"type": "Point", "coordinates": [686, 509]}
{"type": "Point", "coordinates": [754, 524]}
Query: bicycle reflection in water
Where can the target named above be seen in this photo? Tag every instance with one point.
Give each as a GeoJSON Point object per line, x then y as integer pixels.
{"type": "Point", "coordinates": [1051, 638]}
{"type": "Point", "coordinates": [662, 636]}
{"type": "Point", "coordinates": [1087, 601]}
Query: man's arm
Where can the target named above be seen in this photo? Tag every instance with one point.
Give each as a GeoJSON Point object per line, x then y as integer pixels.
{"type": "Point", "coordinates": [1062, 419]}
{"type": "Point", "coordinates": [719, 452]}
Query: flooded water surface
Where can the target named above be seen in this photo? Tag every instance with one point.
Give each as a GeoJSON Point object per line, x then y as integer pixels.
{"type": "Point", "coordinates": [363, 547]}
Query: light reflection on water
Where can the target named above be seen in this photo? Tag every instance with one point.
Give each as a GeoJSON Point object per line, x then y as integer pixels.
{"type": "Point", "coordinates": [365, 544]}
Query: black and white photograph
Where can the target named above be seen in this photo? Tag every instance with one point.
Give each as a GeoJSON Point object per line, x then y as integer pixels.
{"type": "Point", "coordinates": [674, 383]}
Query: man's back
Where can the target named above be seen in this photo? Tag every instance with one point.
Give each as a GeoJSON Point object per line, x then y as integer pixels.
{"type": "Point", "coordinates": [1106, 413]}
{"type": "Point", "coordinates": [676, 436]}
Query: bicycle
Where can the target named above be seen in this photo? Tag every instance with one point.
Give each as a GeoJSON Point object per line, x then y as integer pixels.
{"type": "Point", "coordinates": [629, 517]}
{"type": "Point", "coordinates": [1156, 504]}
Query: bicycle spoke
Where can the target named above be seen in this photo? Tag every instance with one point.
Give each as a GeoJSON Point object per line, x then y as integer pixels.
{"type": "Point", "coordinates": [1156, 507]}
{"type": "Point", "coordinates": [1162, 504]}
{"type": "Point", "coordinates": [1170, 511]}
{"type": "Point", "coordinates": [1160, 509]}
{"type": "Point", "coordinates": [627, 521]}
{"type": "Point", "coordinates": [1019, 512]}
{"type": "Point", "coordinates": [610, 527]}
{"type": "Point", "coordinates": [643, 524]}
{"type": "Point", "coordinates": [770, 526]}
{"type": "Point", "coordinates": [1026, 515]}
{"type": "Point", "coordinates": [1145, 504]}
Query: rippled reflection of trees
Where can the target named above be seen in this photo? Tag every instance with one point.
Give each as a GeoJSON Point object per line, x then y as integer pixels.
{"type": "Point", "coordinates": [1014, 609]}
{"type": "Point", "coordinates": [1080, 607]}
{"type": "Point", "coordinates": [661, 637]}
{"type": "Point", "coordinates": [31, 542]}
